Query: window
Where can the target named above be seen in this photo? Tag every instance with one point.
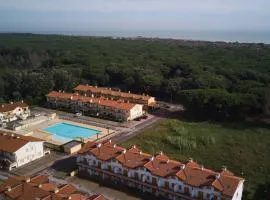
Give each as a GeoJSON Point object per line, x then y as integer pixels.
{"type": "Point", "coordinates": [180, 187]}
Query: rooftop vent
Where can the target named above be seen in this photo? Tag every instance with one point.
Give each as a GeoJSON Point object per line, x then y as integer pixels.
{"type": "Point", "coordinates": [140, 152]}
{"type": "Point", "coordinates": [152, 158]}
{"type": "Point", "coordinates": [22, 101]}
{"type": "Point", "coordinates": [114, 145]}
{"type": "Point", "coordinates": [12, 135]}
{"type": "Point", "coordinates": [125, 151]}
{"type": "Point", "coordinates": [18, 137]}
{"type": "Point", "coordinates": [183, 167]}
{"type": "Point", "coordinates": [11, 102]}
{"type": "Point", "coordinates": [202, 167]}
{"type": "Point", "coordinates": [134, 147]}
{"type": "Point", "coordinates": [27, 180]}
{"type": "Point", "coordinates": [3, 106]}
{"type": "Point", "coordinates": [9, 188]}
{"type": "Point", "coordinates": [39, 185]}
{"type": "Point", "coordinates": [110, 141]}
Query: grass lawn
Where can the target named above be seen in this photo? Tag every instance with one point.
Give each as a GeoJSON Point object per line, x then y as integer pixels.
{"type": "Point", "coordinates": [244, 149]}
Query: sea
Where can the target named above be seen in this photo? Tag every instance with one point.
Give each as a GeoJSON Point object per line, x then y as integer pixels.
{"type": "Point", "coordinates": [203, 35]}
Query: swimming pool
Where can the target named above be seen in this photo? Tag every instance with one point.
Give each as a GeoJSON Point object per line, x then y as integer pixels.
{"type": "Point", "coordinates": [65, 132]}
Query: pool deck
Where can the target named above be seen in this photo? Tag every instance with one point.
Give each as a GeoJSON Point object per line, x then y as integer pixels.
{"type": "Point", "coordinates": [37, 130]}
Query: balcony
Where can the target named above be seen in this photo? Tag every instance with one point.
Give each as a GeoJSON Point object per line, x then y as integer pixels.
{"type": "Point", "coordinates": [138, 182]}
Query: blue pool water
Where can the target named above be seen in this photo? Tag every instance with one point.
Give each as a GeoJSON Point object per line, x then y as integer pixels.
{"type": "Point", "coordinates": [64, 132]}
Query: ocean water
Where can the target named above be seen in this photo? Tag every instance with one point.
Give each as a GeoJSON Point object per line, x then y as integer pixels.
{"type": "Point", "coordinates": [255, 36]}
{"type": "Point", "coordinates": [225, 36]}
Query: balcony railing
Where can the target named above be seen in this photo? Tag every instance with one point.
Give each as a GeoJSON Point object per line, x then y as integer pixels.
{"type": "Point", "coordinates": [138, 182]}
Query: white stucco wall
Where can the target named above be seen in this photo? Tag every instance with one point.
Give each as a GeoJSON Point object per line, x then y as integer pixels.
{"type": "Point", "coordinates": [29, 152]}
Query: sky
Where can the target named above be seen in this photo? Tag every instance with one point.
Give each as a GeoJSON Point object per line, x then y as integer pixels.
{"type": "Point", "coordinates": [131, 15]}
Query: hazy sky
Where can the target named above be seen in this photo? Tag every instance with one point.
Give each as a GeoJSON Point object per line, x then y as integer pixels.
{"type": "Point", "coordinates": [148, 15]}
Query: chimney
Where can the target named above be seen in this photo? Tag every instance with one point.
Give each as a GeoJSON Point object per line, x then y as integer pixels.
{"type": "Point", "coordinates": [224, 168]}
{"type": "Point", "coordinates": [22, 101]}
{"type": "Point", "coordinates": [59, 91]}
{"type": "Point", "coordinates": [217, 176]}
{"type": "Point", "coordinates": [110, 141]}
{"type": "Point", "coordinates": [134, 146]}
{"type": "Point", "coordinates": [18, 137]}
{"type": "Point", "coordinates": [190, 160]}
{"type": "Point", "coordinates": [3, 105]}
{"type": "Point", "coordinates": [99, 145]}
{"type": "Point", "coordinates": [129, 92]}
{"type": "Point", "coordinates": [161, 153]}
{"type": "Point", "coordinates": [92, 96]}
{"type": "Point", "coordinates": [40, 185]}
{"type": "Point", "coordinates": [183, 167]}
{"type": "Point", "coordinates": [56, 190]}
{"type": "Point", "coordinates": [114, 146]}
{"type": "Point", "coordinates": [125, 151]}
{"type": "Point", "coordinates": [202, 167]}
{"type": "Point", "coordinates": [9, 188]}
{"type": "Point", "coordinates": [12, 135]}
{"type": "Point", "coordinates": [27, 180]}
{"type": "Point", "coordinates": [96, 86]}
{"type": "Point", "coordinates": [91, 100]}
{"type": "Point", "coordinates": [11, 102]}
{"type": "Point", "coordinates": [168, 161]}
{"type": "Point", "coordinates": [152, 158]}
{"type": "Point", "coordinates": [140, 152]}
{"type": "Point", "coordinates": [71, 97]}
{"type": "Point", "coordinates": [69, 197]}
{"type": "Point", "coordinates": [85, 95]}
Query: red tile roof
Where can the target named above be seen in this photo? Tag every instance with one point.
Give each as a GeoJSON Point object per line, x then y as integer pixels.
{"type": "Point", "coordinates": [106, 91]}
{"type": "Point", "coordinates": [106, 151]}
{"type": "Point", "coordinates": [133, 158]}
{"type": "Point", "coordinates": [162, 166]}
{"type": "Point", "coordinates": [191, 173]}
{"type": "Point", "coordinates": [10, 142]}
{"type": "Point", "coordinates": [12, 106]}
{"type": "Point", "coordinates": [100, 101]}
{"type": "Point", "coordinates": [24, 188]}
{"type": "Point", "coordinates": [87, 147]}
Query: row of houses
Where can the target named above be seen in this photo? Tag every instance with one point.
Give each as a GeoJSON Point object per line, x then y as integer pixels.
{"type": "Point", "coordinates": [94, 91]}
{"type": "Point", "coordinates": [13, 111]}
{"type": "Point", "coordinates": [158, 174]}
{"type": "Point", "coordinates": [40, 188]}
{"type": "Point", "coordinates": [17, 150]}
{"type": "Point", "coordinates": [98, 107]}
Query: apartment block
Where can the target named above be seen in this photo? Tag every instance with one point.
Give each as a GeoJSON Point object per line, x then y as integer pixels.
{"type": "Point", "coordinates": [97, 107]}
{"type": "Point", "coordinates": [94, 91]}
{"type": "Point", "coordinates": [40, 188]}
{"type": "Point", "coordinates": [157, 174]}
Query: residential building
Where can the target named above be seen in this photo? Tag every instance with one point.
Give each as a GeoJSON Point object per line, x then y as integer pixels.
{"type": "Point", "coordinates": [40, 188]}
{"type": "Point", "coordinates": [13, 111]}
{"type": "Point", "coordinates": [17, 150]}
{"type": "Point", "coordinates": [98, 107]}
{"type": "Point", "coordinates": [158, 175]}
{"type": "Point", "coordinates": [94, 91]}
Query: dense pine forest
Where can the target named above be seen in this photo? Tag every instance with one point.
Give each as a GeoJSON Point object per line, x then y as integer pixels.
{"type": "Point", "coordinates": [217, 80]}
